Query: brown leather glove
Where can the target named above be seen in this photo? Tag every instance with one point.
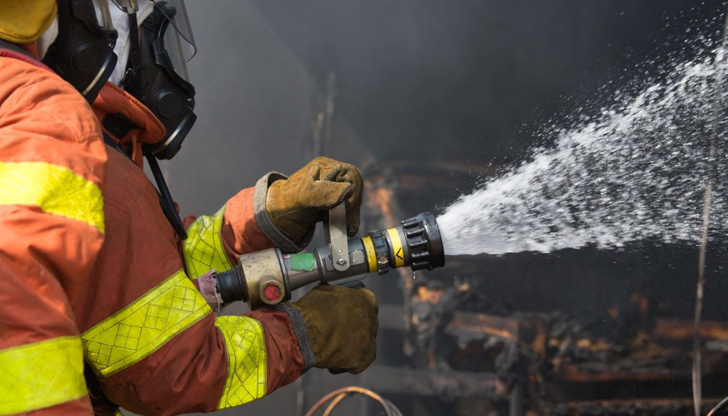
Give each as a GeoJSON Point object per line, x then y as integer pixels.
{"type": "Point", "coordinates": [296, 204]}
{"type": "Point", "coordinates": [342, 326]}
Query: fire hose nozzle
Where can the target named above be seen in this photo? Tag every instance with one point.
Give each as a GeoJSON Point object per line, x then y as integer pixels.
{"type": "Point", "coordinates": [270, 275]}
{"type": "Point", "coordinates": [422, 242]}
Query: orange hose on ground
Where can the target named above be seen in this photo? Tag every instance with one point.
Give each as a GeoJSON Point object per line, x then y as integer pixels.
{"type": "Point", "coordinates": [342, 393]}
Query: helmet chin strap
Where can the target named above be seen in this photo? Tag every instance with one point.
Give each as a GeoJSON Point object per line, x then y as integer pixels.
{"type": "Point", "coordinates": [132, 78]}
{"type": "Point", "coordinates": [123, 45]}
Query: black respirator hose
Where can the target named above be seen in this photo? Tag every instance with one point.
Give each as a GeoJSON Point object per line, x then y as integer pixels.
{"type": "Point", "coordinates": [165, 199]}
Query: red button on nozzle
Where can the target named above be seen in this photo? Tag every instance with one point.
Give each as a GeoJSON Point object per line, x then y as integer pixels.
{"type": "Point", "coordinates": [272, 292]}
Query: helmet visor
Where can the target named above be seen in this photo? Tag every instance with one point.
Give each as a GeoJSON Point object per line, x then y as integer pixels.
{"type": "Point", "coordinates": [178, 40]}
{"type": "Point", "coordinates": [176, 13]}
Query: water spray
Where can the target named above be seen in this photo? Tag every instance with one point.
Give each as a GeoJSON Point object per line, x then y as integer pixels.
{"type": "Point", "coordinates": [268, 277]}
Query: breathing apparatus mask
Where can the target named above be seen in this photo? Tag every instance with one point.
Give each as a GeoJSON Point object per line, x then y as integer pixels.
{"type": "Point", "coordinates": [83, 52]}
{"type": "Point", "coordinates": [152, 55]}
{"type": "Point", "coordinates": [157, 74]}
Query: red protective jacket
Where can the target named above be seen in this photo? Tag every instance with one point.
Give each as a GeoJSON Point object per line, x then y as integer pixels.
{"type": "Point", "coordinates": [148, 335]}
{"type": "Point", "coordinates": [52, 171]}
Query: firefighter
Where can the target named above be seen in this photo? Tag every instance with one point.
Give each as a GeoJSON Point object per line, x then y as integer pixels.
{"type": "Point", "coordinates": [52, 174]}
{"type": "Point", "coordinates": [96, 265]}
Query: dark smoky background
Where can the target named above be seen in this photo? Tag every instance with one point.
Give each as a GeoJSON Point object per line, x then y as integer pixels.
{"type": "Point", "coordinates": [379, 83]}
{"type": "Point", "coordinates": [471, 81]}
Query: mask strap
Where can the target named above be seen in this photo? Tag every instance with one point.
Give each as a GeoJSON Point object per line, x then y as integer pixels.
{"type": "Point", "coordinates": [132, 80]}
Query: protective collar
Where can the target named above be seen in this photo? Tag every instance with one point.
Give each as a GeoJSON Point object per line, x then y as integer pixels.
{"type": "Point", "coordinates": [128, 121]}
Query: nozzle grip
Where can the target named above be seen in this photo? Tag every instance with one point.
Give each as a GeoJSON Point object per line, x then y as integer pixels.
{"type": "Point", "coordinates": [337, 237]}
{"type": "Point", "coordinates": [265, 279]}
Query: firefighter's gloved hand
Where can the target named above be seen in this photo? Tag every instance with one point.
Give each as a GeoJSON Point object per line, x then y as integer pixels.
{"type": "Point", "coordinates": [296, 204]}
{"type": "Point", "coordinates": [342, 326]}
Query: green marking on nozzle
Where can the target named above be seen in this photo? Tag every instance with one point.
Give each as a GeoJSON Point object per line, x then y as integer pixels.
{"type": "Point", "coordinates": [303, 262]}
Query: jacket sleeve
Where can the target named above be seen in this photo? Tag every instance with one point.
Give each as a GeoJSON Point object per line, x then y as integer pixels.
{"type": "Point", "coordinates": [154, 343]}
{"type": "Point", "coordinates": [52, 167]}
{"type": "Point", "coordinates": [201, 363]}
{"type": "Point", "coordinates": [241, 226]}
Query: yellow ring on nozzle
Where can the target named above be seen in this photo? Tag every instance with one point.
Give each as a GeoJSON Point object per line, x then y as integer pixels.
{"type": "Point", "coordinates": [396, 247]}
{"type": "Point", "coordinates": [371, 253]}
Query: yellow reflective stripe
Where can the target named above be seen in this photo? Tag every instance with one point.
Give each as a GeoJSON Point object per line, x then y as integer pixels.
{"type": "Point", "coordinates": [42, 374]}
{"type": "Point", "coordinates": [203, 249]}
{"type": "Point", "coordinates": [54, 189]}
{"type": "Point", "coordinates": [396, 247]}
{"type": "Point", "coordinates": [370, 252]}
{"type": "Point", "coordinates": [144, 326]}
{"type": "Point", "coordinates": [245, 344]}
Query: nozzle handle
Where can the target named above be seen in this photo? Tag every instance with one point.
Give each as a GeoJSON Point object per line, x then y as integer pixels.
{"type": "Point", "coordinates": [337, 237]}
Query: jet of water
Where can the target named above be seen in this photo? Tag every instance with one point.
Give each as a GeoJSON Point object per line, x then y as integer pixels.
{"type": "Point", "coordinates": [636, 171]}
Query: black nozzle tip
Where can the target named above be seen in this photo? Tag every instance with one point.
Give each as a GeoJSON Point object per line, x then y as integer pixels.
{"type": "Point", "coordinates": [424, 242]}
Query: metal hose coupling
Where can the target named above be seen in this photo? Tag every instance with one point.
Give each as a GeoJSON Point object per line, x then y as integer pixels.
{"type": "Point", "coordinates": [267, 277]}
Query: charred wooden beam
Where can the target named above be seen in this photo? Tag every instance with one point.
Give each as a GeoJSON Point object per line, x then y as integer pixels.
{"type": "Point", "coordinates": [450, 384]}
{"type": "Point", "coordinates": [480, 324]}
{"type": "Point", "coordinates": [638, 407]}
{"type": "Point", "coordinates": [600, 372]}
{"type": "Point", "coordinates": [472, 326]}
{"type": "Point", "coordinates": [677, 329]}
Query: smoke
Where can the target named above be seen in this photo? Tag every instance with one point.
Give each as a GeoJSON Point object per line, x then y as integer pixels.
{"type": "Point", "coordinates": [473, 80]}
